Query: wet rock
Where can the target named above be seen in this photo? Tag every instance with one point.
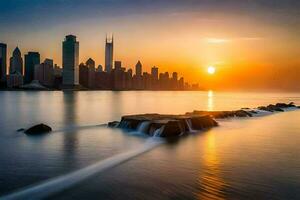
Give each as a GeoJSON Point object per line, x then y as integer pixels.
{"type": "Point", "coordinates": [282, 105]}
{"type": "Point", "coordinates": [171, 129]}
{"type": "Point", "coordinates": [264, 108]}
{"type": "Point", "coordinates": [38, 129]}
{"type": "Point", "coordinates": [202, 122]}
{"type": "Point", "coordinates": [176, 125]}
{"type": "Point", "coordinates": [242, 113]}
{"type": "Point", "coordinates": [291, 104]}
{"type": "Point", "coordinates": [113, 124]}
{"type": "Point", "coordinates": [165, 125]}
{"type": "Point", "coordinates": [274, 108]}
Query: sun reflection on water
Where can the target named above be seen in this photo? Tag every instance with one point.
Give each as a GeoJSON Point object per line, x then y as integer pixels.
{"type": "Point", "coordinates": [211, 183]}
{"type": "Point", "coordinates": [210, 100]}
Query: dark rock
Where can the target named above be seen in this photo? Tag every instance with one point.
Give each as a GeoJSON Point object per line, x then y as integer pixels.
{"type": "Point", "coordinates": [38, 129]}
{"type": "Point", "coordinates": [253, 112]}
{"type": "Point", "coordinates": [21, 129]}
{"type": "Point", "coordinates": [176, 125]}
{"type": "Point", "coordinates": [202, 122]}
{"type": "Point", "coordinates": [172, 129]}
{"type": "Point", "coordinates": [165, 125]}
{"type": "Point", "coordinates": [113, 124]}
{"type": "Point", "coordinates": [284, 105]}
{"type": "Point", "coordinates": [264, 108]}
{"type": "Point", "coordinates": [291, 104]}
{"type": "Point", "coordinates": [274, 108]}
{"type": "Point", "coordinates": [242, 113]}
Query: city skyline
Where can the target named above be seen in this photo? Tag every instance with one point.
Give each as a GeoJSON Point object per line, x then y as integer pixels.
{"type": "Point", "coordinates": [114, 76]}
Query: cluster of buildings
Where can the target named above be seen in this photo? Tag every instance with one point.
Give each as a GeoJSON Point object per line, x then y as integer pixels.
{"type": "Point", "coordinates": [34, 74]}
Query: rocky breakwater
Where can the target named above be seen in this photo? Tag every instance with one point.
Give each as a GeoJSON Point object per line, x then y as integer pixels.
{"type": "Point", "coordinates": [247, 112]}
{"type": "Point", "coordinates": [175, 125]}
{"type": "Point", "coordinates": [165, 125]}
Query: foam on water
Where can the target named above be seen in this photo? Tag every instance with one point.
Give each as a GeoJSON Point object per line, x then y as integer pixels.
{"type": "Point", "coordinates": [143, 126]}
{"type": "Point", "coordinates": [63, 182]}
{"type": "Point", "coordinates": [190, 126]}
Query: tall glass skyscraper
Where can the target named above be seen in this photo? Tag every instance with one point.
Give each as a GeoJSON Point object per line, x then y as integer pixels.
{"type": "Point", "coordinates": [138, 69]}
{"type": "Point", "coordinates": [3, 57]}
{"type": "Point", "coordinates": [31, 59]}
{"type": "Point", "coordinates": [70, 61]}
{"type": "Point", "coordinates": [109, 53]}
{"type": "Point", "coordinates": [16, 62]}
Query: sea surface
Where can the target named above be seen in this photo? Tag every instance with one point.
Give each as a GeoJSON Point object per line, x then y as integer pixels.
{"type": "Point", "coordinates": [253, 158]}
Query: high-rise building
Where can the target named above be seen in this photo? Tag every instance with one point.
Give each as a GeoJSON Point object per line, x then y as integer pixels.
{"type": "Point", "coordinates": [83, 75]}
{"type": "Point", "coordinates": [3, 57]}
{"type": "Point", "coordinates": [90, 63]}
{"type": "Point", "coordinates": [70, 61]}
{"type": "Point", "coordinates": [16, 62]}
{"type": "Point", "coordinates": [31, 59]}
{"type": "Point", "coordinates": [129, 71]}
{"type": "Point", "coordinates": [44, 73]}
{"type": "Point", "coordinates": [118, 65]}
{"type": "Point", "coordinates": [109, 53]}
{"type": "Point", "coordinates": [15, 80]}
{"type": "Point", "coordinates": [175, 76]}
{"type": "Point", "coordinates": [154, 73]}
{"type": "Point", "coordinates": [99, 68]}
{"type": "Point", "coordinates": [138, 69]}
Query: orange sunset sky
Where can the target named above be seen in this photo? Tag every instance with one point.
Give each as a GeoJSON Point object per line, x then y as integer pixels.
{"type": "Point", "coordinates": [253, 45]}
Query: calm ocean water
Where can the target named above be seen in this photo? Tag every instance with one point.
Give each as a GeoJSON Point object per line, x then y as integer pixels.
{"type": "Point", "coordinates": [255, 158]}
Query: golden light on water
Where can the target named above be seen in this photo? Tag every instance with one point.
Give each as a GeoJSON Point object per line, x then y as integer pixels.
{"type": "Point", "coordinates": [211, 180]}
{"type": "Point", "coordinates": [210, 100]}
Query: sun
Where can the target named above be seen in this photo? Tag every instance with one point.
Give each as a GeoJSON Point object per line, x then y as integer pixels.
{"type": "Point", "coordinates": [211, 70]}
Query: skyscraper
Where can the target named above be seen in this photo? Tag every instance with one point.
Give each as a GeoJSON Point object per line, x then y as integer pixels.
{"type": "Point", "coordinates": [154, 73]}
{"type": "Point", "coordinates": [44, 73]}
{"type": "Point", "coordinates": [109, 53]}
{"type": "Point", "coordinates": [3, 56]}
{"type": "Point", "coordinates": [118, 65]}
{"type": "Point", "coordinates": [90, 63]}
{"type": "Point", "coordinates": [16, 62]}
{"type": "Point", "coordinates": [31, 59]}
{"type": "Point", "coordinates": [138, 69]}
{"type": "Point", "coordinates": [70, 61]}
{"type": "Point", "coordinates": [175, 76]}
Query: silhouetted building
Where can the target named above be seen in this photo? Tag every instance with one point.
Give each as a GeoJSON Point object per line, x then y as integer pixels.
{"type": "Point", "coordinates": [31, 59]}
{"type": "Point", "coordinates": [118, 77]}
{"type": "Point", "coordinates": [118, 65]}
{"type": "Point", "coordinates": [154, 73]}
{"type": "Point", "coordinates": [44, 73]}
{"type": "Point", "coordinates": [3, 63]}
{"type": "Point", "coordinates": [138, 69]}
{"type": "Point", "coordinates": [57, 70]}
{"type": "Point", "coordinates": [109, 53]}
{"type": "Point", "coordinates": [154, 78]}
{"type": "Point", "coordinates": [83, 75]}
{"type": "Point", "coordinates": [15, 80]}
{"type": "Point", "coordinates": [99, 68]}
{"type": "Point", "coordinates": [70, 61]}
{"type": "Point", "coordinates": [90, 63]}
{"type": "Point", "coordinates": [16, 62]}
{"type": "Point", "coordinates": [181, 84]}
